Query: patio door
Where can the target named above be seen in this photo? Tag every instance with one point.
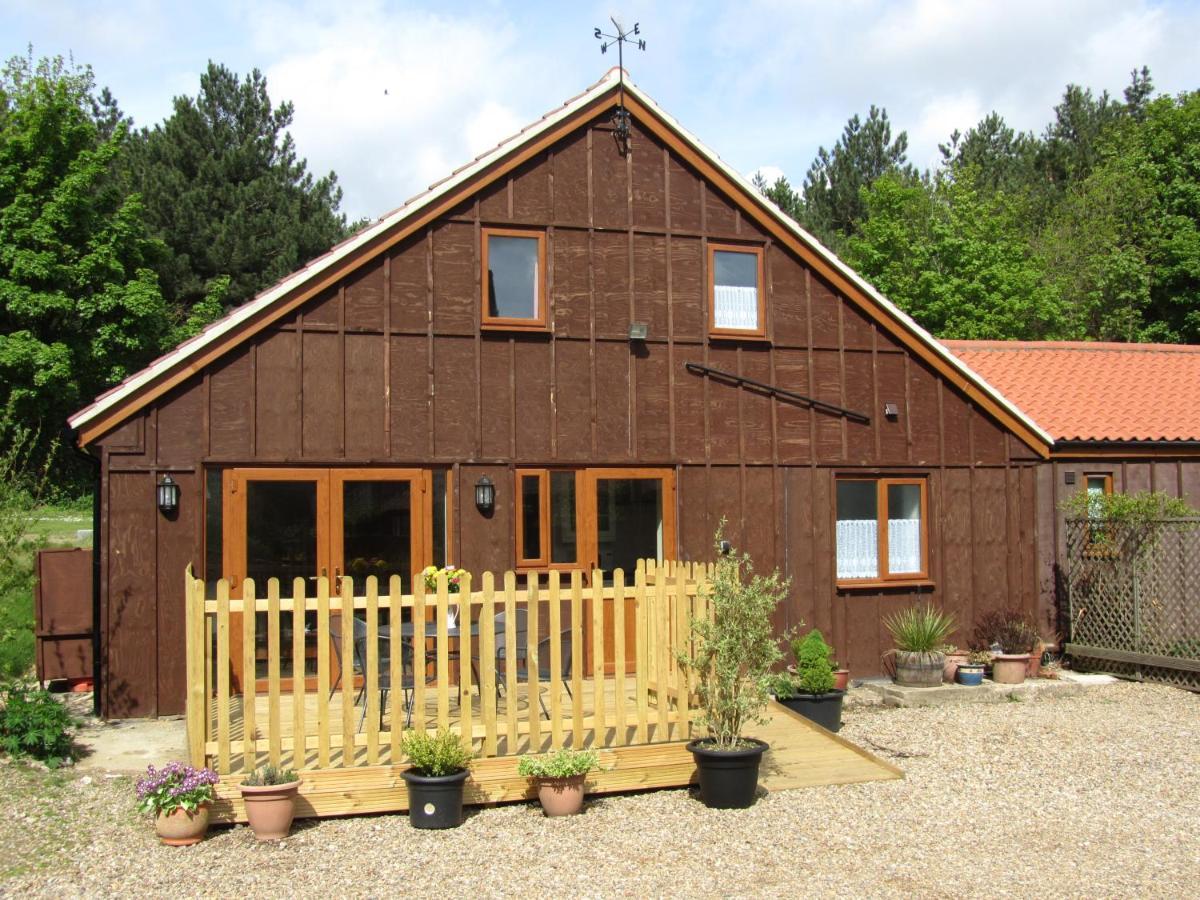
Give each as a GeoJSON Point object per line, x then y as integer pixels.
{"type": "Point", "coordinates": [309, 523]}
{"type": "Point", "coordinates": [628, 514]}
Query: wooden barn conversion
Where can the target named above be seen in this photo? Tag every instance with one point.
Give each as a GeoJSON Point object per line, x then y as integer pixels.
{"type": "Point", "coordinates": [579, 350]}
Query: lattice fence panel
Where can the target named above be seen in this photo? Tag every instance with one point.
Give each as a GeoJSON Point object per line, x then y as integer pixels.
{"type": "Point", "coordinates": [1134, 598]}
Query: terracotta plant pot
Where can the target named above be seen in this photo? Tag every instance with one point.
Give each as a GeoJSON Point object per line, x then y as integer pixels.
{"type": "Point", "coordinates": [270, 809]}
{"type": "Point", "coordinates": [841, 679]}
{"type": "Point", "coordinates": [953, 661]}
{"type": "Point", "coordinates": [561, 796]}
{"type": "Point", "coordinates": [919, 669]}
{"type": "Point", "coordinates": [1009, 668]}
{"type": "Point", "coordinates": [180, 828]}
{"type": "Point", "coordinates": [1035, 662]}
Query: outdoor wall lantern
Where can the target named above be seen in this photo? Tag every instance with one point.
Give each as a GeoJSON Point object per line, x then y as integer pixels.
{"type": "Point", "coordinates": [168, 495]}
{"type": "Point", "coordinates": [638, 331]}
{"type": "Point", "coordinates": [485, 495]}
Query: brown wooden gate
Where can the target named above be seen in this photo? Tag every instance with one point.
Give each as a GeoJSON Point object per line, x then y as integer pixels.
{"type": "Point", "coordinates": [63, 610]}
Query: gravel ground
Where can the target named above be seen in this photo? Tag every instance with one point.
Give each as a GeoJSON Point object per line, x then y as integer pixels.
{"type": "Point", "coordinates": [1093, 795]}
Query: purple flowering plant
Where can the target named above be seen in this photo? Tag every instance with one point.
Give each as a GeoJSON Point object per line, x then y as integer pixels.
{"type": "Point", "coordinates": [175, 786]}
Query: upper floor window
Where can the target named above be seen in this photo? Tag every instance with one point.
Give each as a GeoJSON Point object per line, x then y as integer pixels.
{"type": "Point", "coordinates": [514, 279]}
{"type": "Point", "coordinates": [881, 529]}
{"type": "Point", "coordinates": [737, 299]}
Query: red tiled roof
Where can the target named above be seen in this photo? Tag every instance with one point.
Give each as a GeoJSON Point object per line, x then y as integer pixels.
{"type": "Point", "coordinates": [1085, 391]}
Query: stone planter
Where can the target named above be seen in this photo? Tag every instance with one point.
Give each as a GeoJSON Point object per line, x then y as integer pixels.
{"type": "Point", "coordinates": [1010, 668]}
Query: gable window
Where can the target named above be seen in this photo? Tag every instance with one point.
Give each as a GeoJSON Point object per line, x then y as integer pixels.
{"type": "Point", "coordinates": [514, 279]}
{"type": "Point", "coordinates": [737, 298]}
{"type": "Point", "coordinates": [881, 532]}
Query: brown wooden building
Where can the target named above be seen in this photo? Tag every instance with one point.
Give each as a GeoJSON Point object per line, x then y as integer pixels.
{"type": "Point", "coordinates": [624, 338]}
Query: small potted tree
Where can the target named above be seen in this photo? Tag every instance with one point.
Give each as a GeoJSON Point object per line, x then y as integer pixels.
{"type": "Point", "coordinates": [734, 651]}
{"type": "Point", "coordinates": [559, 778]}
{"type": "Point", "coordinates": [436, 778]}
{"type": "Point", "coordinates": [180, 798]}
{"type": "Point", "coordinates": [919, 633]}
{"type": "Point", "coordinates": [269, 794]}
{"type": "Point", "coordinates": [811, 692]}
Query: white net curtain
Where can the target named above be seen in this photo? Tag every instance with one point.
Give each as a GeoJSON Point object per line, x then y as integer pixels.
{"type": "Point", "coordinates": [858, 547]}
{"type": "Point", "coordinates": [735, 307]}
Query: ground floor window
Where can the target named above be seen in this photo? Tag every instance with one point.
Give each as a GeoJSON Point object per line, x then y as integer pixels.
{"type": "Point", "coordinates": [881, 529]}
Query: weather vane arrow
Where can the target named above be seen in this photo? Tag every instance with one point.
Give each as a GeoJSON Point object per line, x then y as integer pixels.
{"type": "Point", "coordinates": [621, 38]}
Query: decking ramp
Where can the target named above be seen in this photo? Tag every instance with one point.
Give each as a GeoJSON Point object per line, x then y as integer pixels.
{"type": "Point", "coordinates": [805, 755]}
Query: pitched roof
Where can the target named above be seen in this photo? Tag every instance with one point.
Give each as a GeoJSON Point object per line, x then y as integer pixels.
{"type": "Point", "coordinates": [1086, 391]}
{"type": "Point", "coordinates": [114, 406]}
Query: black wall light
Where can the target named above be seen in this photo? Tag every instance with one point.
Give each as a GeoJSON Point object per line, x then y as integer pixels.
{"type": "Point", "coordinates": [167, 493]}
{"type": "Point", "coordinates": [485, 495]}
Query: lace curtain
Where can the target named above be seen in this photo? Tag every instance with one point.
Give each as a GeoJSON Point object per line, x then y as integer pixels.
{"type": "Point", "coordinates": [858, 547]}
{"type": "Point", "coordinates": [735, 307]}
{"type": "Point", "coordinates": [904, 546]}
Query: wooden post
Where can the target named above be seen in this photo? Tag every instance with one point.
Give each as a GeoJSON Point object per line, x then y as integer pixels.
{"type": "Point", "coordinates": [419, 661]}
{"type": "Point", "coordinates": [372, 673]}
{"type": "Point", "coordinates": [464, 660]}
{"type": "Point", "coordinates": [487, 664]}
{"type": "Point", "coordinates": [532, 665]}
{"type": "Point", "coordinates": [598, 657]}
{"type": "Point", "coordinates": [555, 686]}
{"type": "Point", "coordinates": [347, 629]}
{"type": "Point", "coordinates": [683, 627]}
{"type": "Point", "coordinates": [299, 656]}
{"type": "Point", "coordinates": [510, 662]}
{"type": "Point", "coordinates": [619, 737]}
{"type": "Point", "coordinates": [222, 666]}
{"type": "Point", "coordinates": [395, 669]}
{"type": "Point", "coordinates": [662, 635]}
{"type": "Point", "coordinates": [443, 653]}
{"type": "Point", "coordinates": [323, 686]}
{"type": "Point", "coordinates": [197, 703]}
{"type": "Point", "coordinates": [275, 742]}
{"type": "Point", "coordinates": [642, 650]}
{"type": "Point", "coordinates": [577, 659]}
{"type": "Point", "coordinates": [249, 677]}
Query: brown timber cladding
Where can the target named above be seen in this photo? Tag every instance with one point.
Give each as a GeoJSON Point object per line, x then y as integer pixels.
{"type": "Point", "coordinates": [391, 367]}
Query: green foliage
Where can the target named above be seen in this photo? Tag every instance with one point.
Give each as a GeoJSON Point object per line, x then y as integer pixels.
{"type": "Point", "coordinates": [955, 257]}
{"type": "Point", "coordinates": [33, 723]}
{"type": "Point", "coordinates": [980, 657]}
{"type": "Point", "coordinates": [270, 775]}
{"type": "Point", "coordinates": [563, 763]}
{"type": "Point", "coordinates": [1138, 510]}
{"type": "Point", "coordinates": [22, 482]}
{"type": "Point", "coordinates": [434, 755]}
{"type": "Point", "coordinates": [225, 189]}
{"type": "Point", "coordinates": [735, 647]}
{"type": "Point", "coordinates": [814, 669]}
{"type": "Point", "coordinates": [919, 629]}
{"type": "Point", "coordinates": [80, 307]}
{"type": "Point", "coordinates": [1013, 630]}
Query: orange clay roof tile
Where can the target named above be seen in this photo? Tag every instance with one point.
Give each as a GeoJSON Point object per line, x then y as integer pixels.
{"type": "Point", "coordinates": [1086, 391]}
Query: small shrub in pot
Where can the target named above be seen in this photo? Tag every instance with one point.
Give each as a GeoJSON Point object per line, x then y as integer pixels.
{"type": "Point", "coordinates": [560, 778]}
{"type": "Point", "coordinates": [1016, 636]}
{"type": "Point", "coordinates": [269, 795]}
{"type": "Point", "coordinates": [811, 691]}
{"type": "Point", "coordinates": [919, 633]}
{"type": "Point", "coordinates": [436, 778]}
{"type": "Point", "coordinates": [180, 798]}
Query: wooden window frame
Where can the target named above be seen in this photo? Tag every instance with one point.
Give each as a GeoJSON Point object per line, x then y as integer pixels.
{"type": "Point", "coordinates": [1108, 481]}
{"type": "Point", "coordinates": [1103, 548]}
{"type": "Point", "coordinates": [540, 322]}
{"type": "Point", "coordinates": [542, 562]}
{"type": "Point", "coordinates": [884, 578]}
{"type": "Point", "coordinates": [757, 334]}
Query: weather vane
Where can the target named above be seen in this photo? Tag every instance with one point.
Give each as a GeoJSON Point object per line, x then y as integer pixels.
{"type": "Point", "coordinates": [621, 38]}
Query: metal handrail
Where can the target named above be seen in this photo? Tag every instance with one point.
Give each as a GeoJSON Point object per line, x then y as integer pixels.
{"type": "Point", "coordinates": [812, 402]}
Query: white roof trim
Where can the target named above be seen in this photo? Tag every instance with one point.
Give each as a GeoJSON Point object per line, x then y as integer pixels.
{"type": "Point", "coordinates": [218, 329]}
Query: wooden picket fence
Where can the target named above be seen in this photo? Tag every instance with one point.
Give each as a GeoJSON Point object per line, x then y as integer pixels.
{"type": "Point", "coordinates": [633, 692]}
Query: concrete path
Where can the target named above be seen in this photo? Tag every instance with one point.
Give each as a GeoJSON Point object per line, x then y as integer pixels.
{"type": "Point", "coordinates": [125, 746]}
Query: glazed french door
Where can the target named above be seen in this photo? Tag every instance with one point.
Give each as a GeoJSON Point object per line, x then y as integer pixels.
{"type": "Point", "coordinates": [311, 523]}
{"type": "Point", "coordinates": [628, 514]}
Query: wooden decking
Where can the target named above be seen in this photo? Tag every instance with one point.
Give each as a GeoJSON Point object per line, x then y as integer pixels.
{"type": "Point", "coordinates": [801, 755]}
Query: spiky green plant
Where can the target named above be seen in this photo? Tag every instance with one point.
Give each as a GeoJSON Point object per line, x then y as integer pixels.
{"type": "Point", "coordinates": [919, 629]}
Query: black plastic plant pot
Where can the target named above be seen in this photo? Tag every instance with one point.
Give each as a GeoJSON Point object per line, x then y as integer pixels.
{"type": "Point", "coordinates": [435, 801]}
{"type": "Point", "coordinates": [822, 709]}
{"type": "Point", "coordinates": [728, 778]}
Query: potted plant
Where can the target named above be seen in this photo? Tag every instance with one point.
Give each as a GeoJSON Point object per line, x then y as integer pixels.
{"type": "Point", "coordinates": [919, 633]}
{"type": "Point", "coordinates": [436, 777]}
{"type": "Point", "coordinates": [180, 798]}
{"type": "Point", "coordinates": [811, 692]}
{"type": "Point", "coordinates": [1012, 637]}
{"type": "Point", "coordinates": [559, 777]}
{"type": "Point", "coordinates": [270, 797]}
{"type": "Point", "coordinates": [734, 651]}
{"type": "Point", "coordinates": [954, 659]}
{"type": "Point", "coordinates": [970, 673]}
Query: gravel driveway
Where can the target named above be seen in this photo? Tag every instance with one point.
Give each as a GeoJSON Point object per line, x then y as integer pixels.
{"type": "Point", "coordinates": [1092, 795]}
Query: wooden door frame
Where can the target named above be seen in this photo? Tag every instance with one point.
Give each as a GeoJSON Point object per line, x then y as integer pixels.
{"type": "Point", "coordinates": [420, 515]}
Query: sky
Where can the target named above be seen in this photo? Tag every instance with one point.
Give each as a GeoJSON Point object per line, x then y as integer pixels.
{"type": "Point", "coordinates": [392, 96]}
